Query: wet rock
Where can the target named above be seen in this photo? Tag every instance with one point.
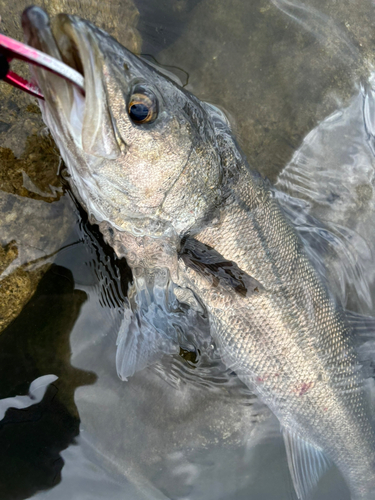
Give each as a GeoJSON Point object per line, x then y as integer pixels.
{"type": "Point", "coordinates": [17, 288]}
{"type": "Point", "coordinates": [32, 231]}
{"type": "Point", "coordinates": [34, 173]}
{"type": "Point", "coordinates": [4, 126]}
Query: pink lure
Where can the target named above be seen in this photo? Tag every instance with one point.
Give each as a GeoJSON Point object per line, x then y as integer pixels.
{"type": "Point", "coordinates": [13, 49]}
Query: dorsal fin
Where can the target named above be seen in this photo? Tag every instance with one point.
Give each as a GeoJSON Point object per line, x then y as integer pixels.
{"type": "Point", "coordinates": [306, 462]}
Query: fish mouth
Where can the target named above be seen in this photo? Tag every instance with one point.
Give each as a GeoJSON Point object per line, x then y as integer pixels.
{"type": "Point", "coordinates": [58, 41]}
{"type": "Point", "coordinates": [66, 109]}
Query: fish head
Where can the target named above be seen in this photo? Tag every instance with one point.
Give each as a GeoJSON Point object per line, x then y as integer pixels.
{"type": "Point", "coordinates": [140, 150]}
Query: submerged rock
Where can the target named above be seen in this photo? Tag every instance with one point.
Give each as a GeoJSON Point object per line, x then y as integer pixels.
{"type": "Point", "coordinates": [34, 173]}
{"type": "Point", "coordinates": [278, 67]}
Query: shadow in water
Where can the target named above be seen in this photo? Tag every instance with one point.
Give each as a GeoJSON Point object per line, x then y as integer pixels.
{"type": "Point", "coordinates": [37, 343]}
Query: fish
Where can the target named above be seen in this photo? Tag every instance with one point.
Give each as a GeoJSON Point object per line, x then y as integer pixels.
{"type": "Point", "coordinates": [162, 175]}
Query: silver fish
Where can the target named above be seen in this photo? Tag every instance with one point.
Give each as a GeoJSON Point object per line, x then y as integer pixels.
{"type": "Point", "coordinates": [161, 173]}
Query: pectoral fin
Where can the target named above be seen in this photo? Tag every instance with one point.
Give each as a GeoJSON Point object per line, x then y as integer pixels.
{"type": "Point", "coordinates": [307, 463]}
{"type": "Point", "coordinates": [219, 271]}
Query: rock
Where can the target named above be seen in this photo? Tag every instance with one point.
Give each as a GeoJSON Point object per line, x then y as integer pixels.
{"type": "Point", "coordinates": [32, 231]}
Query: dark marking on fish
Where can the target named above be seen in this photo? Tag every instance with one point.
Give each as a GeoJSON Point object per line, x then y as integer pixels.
{"type": "Point", "coordinates": [209, 263]}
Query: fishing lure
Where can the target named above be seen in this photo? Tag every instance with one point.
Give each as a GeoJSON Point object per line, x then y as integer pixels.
{"type": "Point", "coordinates": [13, 49]}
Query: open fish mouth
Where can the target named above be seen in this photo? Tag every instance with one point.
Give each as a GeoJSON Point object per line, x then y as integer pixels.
{"type": "Point", "coordinates": [67, 39]}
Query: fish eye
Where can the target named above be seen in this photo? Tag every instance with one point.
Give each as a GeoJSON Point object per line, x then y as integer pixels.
{"type": "Point", "coordinates": [143, 106]}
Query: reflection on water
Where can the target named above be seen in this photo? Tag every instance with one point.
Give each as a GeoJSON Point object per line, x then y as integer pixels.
{"type": "Point", "coordinates": [289, 75]}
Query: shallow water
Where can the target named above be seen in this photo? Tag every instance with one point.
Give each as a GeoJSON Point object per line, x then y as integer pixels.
{"type": "Point", "coordinates": [292, 78]}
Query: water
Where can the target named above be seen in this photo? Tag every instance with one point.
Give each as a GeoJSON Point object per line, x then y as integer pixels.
{"type": "Point", "coordinates": [293, 78]}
